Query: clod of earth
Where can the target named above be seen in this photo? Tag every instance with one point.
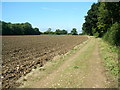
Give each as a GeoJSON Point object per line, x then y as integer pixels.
{"type": "Point", "coordinates": [20, 54]}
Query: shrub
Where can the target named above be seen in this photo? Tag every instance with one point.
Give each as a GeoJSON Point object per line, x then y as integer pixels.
{"type": "Point", "coordinates": [112, 35]}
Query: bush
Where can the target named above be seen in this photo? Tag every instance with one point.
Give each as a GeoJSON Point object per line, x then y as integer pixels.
{"type": "Point", "coordinates": [96, 34]}
{"type": "Point", "coordinates": [74, 31]}
{"type": "Point", "coordinates": [112, 35]}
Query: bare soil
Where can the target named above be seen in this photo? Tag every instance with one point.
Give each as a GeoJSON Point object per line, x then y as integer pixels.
{"type": "Point", "coordinates": [81, 69]}
{"type": "Point", "coordinates": [20, 54]}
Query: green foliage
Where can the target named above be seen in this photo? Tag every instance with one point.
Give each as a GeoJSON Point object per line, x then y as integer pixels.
{"type": "Point", "coordinates": [91, 20]}
{"type": "Point", "coordinates": [114, 11]}
{"type": "Point", "coordinates": [60, 32]}
{"type": "Point", "coordinates": [37, 32]}
{"type": "Point", "coordinates": [96, 34]}
{"type": "Point", "coordinates": [112, 35]}
{"type": "Point", "coordinates": [64, 32]}
{"type": "Point", "coordinates": [111, 65]}
{"type": "Point", "coordinates": [26, 29]}
{"type": "Point", "coordinates": [57, 32]}
{"type": "Point", "coordinates": [103, 20]}
{"type": "Point", "coordinates": [19, 29]}
{"type": "Point", "coordinates": [109, 54]}
{"type": "Point", "coordinates": [74, 31]}
{"type": "Point", "coordinates": [7, 28]}
{"type": "Point", "coordinates": [49, 31]}
{"type": "Point", "coordinates": [81, 34]}
{"type": "Point", "coordinates": [76, 67]}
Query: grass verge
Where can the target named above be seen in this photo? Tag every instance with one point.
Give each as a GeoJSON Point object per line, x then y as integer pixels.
{"type": "Point", "coordinates": [48, 68]}
{"type": "Point", "coordinates": [110, 55]}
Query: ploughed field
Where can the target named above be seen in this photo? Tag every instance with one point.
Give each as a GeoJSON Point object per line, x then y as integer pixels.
{"type": "Point", "coordinates": [20, 54]}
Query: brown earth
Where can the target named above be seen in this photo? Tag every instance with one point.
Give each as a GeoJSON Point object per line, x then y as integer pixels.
{"type": "Point", "coordinates": [20, 54]}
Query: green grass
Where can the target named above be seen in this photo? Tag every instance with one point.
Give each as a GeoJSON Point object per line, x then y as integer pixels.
{"type": "Point", "coordinates": [76, 67]}
{"type": "Point", "coordinates": [51, 65]}
{"type": "Point", "coordinates": [109, 55]}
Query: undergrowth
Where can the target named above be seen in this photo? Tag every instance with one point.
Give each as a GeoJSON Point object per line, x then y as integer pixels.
{"type": "Point", "coordinates": [109, 54]}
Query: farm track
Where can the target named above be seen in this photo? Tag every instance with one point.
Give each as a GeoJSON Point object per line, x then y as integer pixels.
{"type": "Point", "coordinates": [20, 54]}
{"type": "Point", "coordinates": [82, 69]}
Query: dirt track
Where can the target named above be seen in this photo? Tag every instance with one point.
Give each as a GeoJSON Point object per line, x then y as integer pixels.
{"type": "Point", "coordinates": [20, 54]}
{"type": "Point", "coordinates": [83, 68]}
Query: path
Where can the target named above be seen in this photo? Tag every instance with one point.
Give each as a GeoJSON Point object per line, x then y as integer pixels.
{"type": "Point", "coordinates": [81, 69]}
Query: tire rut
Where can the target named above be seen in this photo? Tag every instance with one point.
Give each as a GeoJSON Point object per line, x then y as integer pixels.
{"type": "Point", "coordinates": [90, 75]}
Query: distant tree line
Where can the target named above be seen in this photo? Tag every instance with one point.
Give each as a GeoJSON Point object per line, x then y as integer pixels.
{"type": "Point", "coordinates": [61, 32]}
{"type": "Point", "coordinates": [19, 29]}
{"type": "Point", "coordinates": [27, 29]}
{"type": "Point", "coordinates": [103, 20]}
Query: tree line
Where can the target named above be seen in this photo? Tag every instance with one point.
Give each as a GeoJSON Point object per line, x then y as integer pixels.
{"type": "Point", "coordinates": [19, 29]}
{"type": "Point", "coordinates": [61, 32]}
{"type": "Point", "coordinates": [103, 20]}
{"type": "Point", "coordinates": [27, 29]}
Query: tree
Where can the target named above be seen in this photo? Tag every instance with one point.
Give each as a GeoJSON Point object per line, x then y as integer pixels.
{"type": "Point", "coordinates": [91, 20]}
{"type": "Point", "coordinates": [7, 28]}
{"type": "Point", "coordinates": [58, 32]}
{"type": "Point", "coordinates": [113, 11]}
{"type": "Point", "coordinates": [28, 30]}
{"type": "Point", "coordinates": [19, 29]}
{"type": "Point", "coordinates": [61, 32]}
{"type": "Point", "coordinates": [103, 20]}
{"type": "Point", "coordinates": [74, 31]}
{"type": "Point", "coordinates": [112, 35]}
{"type": "Point", "coordinates": [49, 31]}
{"type": "Point", "coordinates": [64, 32]}
{"type": "Point", "coordinates": [37, 32]}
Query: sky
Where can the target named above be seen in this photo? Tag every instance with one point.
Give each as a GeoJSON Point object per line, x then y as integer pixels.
{"type": "Point", "coordinates": [50, 0]}
{"type": "Point", "coordinates": [44, 15]}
